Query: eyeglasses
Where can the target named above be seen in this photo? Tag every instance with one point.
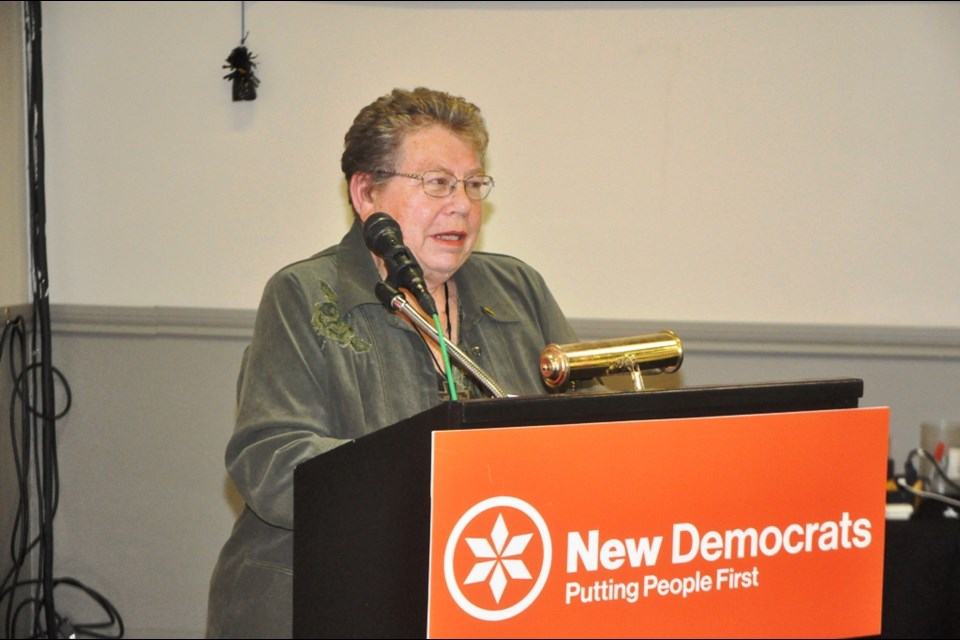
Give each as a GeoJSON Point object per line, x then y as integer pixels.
{"type": "Point", "coordinates": [441, 184]}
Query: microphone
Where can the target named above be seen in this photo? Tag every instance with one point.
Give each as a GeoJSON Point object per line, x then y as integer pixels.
{"type": "Point", "coordinates": [384, 237]}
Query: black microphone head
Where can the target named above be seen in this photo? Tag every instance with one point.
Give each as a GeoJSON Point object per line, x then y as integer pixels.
{"type": "Point", "coordinates": [384, 237]}
{"type": "Point", "coordinates": [381, 232]}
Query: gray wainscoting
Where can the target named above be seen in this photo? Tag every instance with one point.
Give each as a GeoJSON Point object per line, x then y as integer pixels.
{"type": "Point", "coordinates": [145, 502]}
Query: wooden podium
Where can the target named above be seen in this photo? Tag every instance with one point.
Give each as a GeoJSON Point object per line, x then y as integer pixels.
{"type": "Point", "coordinates": [363, 510]}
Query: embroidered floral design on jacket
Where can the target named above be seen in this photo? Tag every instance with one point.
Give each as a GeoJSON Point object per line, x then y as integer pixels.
{"type": "Point", "coordinates": [327, 322]}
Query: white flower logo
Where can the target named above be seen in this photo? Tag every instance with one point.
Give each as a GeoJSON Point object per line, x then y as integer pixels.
{"type": "Point", "coordinates": [498, 559]}
{"type": "Point", "coordinates": [502, 558]}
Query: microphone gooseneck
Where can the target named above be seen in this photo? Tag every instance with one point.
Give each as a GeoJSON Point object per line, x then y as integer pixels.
{"type": "Point", "coordinates": [384, 237]}
{"type": "Point", "coordinates": [394, 300]}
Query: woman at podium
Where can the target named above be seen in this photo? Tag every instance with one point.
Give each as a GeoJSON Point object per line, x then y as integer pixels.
{"type": "Point", "coordinates": [330, 362]}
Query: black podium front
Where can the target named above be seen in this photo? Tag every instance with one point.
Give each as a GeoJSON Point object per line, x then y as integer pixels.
{"type": "Point", "coordinates": [362, 510]}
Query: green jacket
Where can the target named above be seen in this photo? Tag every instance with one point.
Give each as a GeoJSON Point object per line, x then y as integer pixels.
{"type": "Point", "coordinates": [328, 363]}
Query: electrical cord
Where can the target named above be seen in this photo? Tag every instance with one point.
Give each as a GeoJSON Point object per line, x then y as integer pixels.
{"type": "Point", "coordinates": [911, 476]}
{"type": "Point", "coordinates": [34, 384]}
{"type": "Point", "coordinates": [68, 628]}
{"type": "Point", "coordinates": [21, 596]}
{"type": "Point", "coordinates": [902, 483]}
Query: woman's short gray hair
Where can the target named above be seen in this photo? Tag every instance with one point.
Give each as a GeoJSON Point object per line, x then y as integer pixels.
{"type": "Point", "coordinates": [374, 140]}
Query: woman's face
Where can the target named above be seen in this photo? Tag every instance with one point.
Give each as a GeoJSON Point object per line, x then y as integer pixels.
{"type": "Point", "coordinates": [440, 232]}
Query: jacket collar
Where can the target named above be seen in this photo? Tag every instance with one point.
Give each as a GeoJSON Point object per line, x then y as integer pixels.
{"type": "Point", "coordinates": [357, 274]}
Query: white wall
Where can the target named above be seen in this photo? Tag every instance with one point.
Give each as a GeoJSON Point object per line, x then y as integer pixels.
{"type": "Point", "coordinates": [743, 162]}
{"type": "Point", "coordinates": [14, 262]}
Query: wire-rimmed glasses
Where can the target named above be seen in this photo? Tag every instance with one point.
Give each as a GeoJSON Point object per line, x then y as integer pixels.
{"type": "Point", "coordinates": [440, 184]}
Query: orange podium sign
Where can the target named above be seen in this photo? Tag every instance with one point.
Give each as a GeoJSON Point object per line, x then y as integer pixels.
{"type": "Point", "coordinates": [768, 525]}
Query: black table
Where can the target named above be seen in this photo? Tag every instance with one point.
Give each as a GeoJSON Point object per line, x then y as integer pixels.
{"type": "Point", "coordinates": [921, 576]}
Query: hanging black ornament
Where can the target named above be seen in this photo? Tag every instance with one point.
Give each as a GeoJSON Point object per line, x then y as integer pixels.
{"type": "Point", "coordinates": [245, 82]}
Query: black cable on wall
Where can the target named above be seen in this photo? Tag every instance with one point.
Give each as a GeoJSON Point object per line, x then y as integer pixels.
{"type": "Point", "coordinates": [42, 348]}
{"type": "Point", "coordinates": [34, 386]}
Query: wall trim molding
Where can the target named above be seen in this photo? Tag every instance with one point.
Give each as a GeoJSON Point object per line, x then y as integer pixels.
{"type": "Point", "coordinates": [156, 321]}
{"type": "Point", "coordinates": [941, 343]}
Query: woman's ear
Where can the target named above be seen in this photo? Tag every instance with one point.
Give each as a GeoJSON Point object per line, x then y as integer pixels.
{"type": "Point", "coordinates": [361, 194]}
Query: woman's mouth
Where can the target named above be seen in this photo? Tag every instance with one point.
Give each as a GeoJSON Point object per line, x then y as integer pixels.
{"type": "Point", "coordinates": [455, 238]}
